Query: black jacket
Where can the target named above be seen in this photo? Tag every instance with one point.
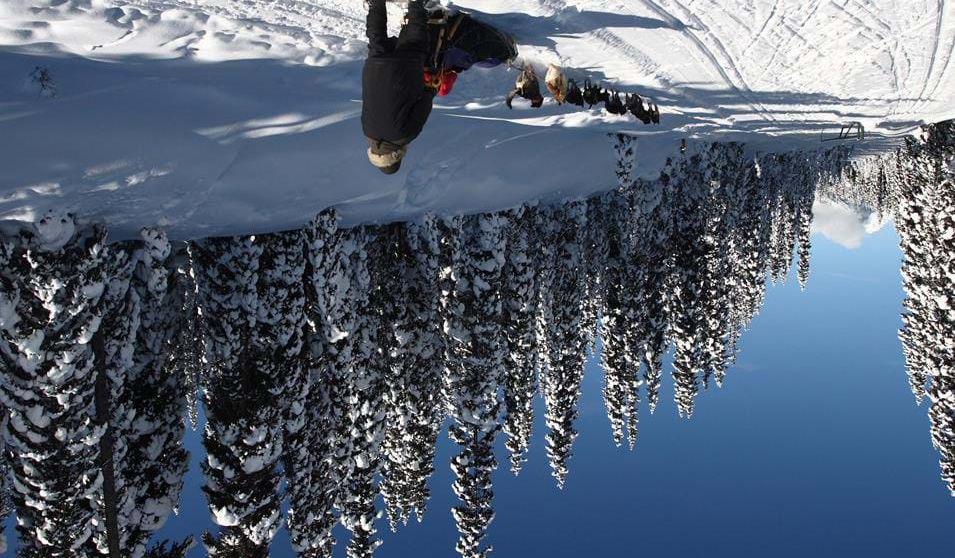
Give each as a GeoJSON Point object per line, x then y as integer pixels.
{"type": "Point", "coordinates": [396, 103]}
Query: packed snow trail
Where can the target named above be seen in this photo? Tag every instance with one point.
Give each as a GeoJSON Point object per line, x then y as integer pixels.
{"type": "Point", "coordinates": [225, 116]}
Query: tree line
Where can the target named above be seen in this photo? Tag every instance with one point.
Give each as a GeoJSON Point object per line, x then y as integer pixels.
{"type": "Point", "coordinates": [327, 360]}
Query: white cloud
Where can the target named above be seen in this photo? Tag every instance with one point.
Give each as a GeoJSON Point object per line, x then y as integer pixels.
{"type": "Point", "coordinates": [844, 225]}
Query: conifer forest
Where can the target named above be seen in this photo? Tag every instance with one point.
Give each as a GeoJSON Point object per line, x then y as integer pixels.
{"type": "Point", "coordinates": [324, 365]}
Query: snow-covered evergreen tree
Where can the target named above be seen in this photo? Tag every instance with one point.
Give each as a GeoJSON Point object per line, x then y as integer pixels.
{"type": "Point", "coordinates": [140, 405]}
{"type": "Point", "coordinates": [113, 347]}
{"type": "Point", "coordinates": [316, 455]}
{"type": "Point", "coordinates": [925, 221]}
{"type": "Point", "coordinates": [519, 312]}
{"type": "Point", "coordinates": [688, 253]}
{"type": "Point", "coordinates": [185, 359]}
{"type": "Point", "coordinates": [721, 178]}
{"type": "Point", "coordinates": [51, 307]}
{"type": "Point", "coordinates": [371, 343]}
{"type": "Point", "coordinates": [566, 342]}
{"type": "Point", "coordinates": [617, 358]}
{"type": "Point", "coordinates": [156, 460]}
{"type": "Point", "coordinates": [243, 434]}
{"type": "Point", "coordinates": [653, 232]}
{"type": "Point", "coordinates": [593, 244]}
{"type": "Point", "coordinates": [779, 180]}
{"type": "Point", "coordinates": [416, 361]}
{"type": "Point", "coordinates": [6, 505]}
{"type": "Point", "coordinates": [805, 237]}
{"type": "Point", "coordinates": [472, 380]}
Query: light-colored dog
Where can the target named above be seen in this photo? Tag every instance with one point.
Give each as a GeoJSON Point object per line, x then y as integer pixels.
{"type": "Point", "coordinates": [556, 83]}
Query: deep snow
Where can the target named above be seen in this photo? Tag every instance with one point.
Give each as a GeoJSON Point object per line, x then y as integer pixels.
{"type": "Point", "coordinates": [235, 116]}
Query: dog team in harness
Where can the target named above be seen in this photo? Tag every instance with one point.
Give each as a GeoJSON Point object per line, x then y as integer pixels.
{"type": "Point", "coordinates": [402, 75]}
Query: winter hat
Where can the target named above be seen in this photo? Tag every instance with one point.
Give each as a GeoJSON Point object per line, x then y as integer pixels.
{"type": "Point", "coordinates": [387, 161]}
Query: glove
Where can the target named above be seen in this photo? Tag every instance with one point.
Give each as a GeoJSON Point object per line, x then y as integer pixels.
{"type": "Point", "coordinates": [441, 82]}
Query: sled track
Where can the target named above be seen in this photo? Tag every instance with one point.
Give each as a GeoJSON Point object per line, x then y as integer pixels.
{"type": "Point", "coordinates": [935, 46]}
{"type": "Point", "coordinates": [948, 57]}
{"type": "Point", "coordinates": [615, 42]}
{"type": "Point", "coordinates": [789, 40]}
{"type": "Point", "coordinates": [862, 24]}
{"type": "Point", "coordinates": [612, 40]}
{"type": "Point", "coordinates": [762, 29]}
{"type": "Point", "coordinates": [743, 89]}
{"type": "Point", "coordinates": [875, 17]}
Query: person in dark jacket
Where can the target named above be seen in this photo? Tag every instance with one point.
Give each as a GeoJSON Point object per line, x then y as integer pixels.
{"type": "Point", "coordinates": [396, 101]}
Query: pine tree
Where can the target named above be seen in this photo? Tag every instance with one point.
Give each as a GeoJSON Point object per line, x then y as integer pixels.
{"type": "Point", "coordinates": [54, 279]}
{"type": "Point", "coordinates": [416, 362]}
{"type": "Point", "coordinates": [519, 313]}
{"type": "Point", "coordinates": [474, 371]}
{"type": "Point", "coordinates": [688, 256]}
{"type": "Point", "coordinates": [113, 346]}
{"type": "Point", "coordinates": [316, 454]}
{"type": "Point", "coordinates": [140, 407]}
{"type": "Point", "coordinates": [914, 225]}
{"type": "Point", "coordinates": [371, 342]}
{"type": "Point", "coordinates": [593, 244]}
{"type": "Point", "coordinates": [753, 229]}
{"type": "Point", "coordinates": [174, 550]}
{"type": "Point", "coordinates": [617, 358]}
{"type": "Point", "coordinates": [243, 435]}
{"type": "Point", "coordinates": [545, 230]}
{"type": "Point", "coordinates": [718, 278]}
{"type": "Point", "coordinates": [646, 295]}
{"type": "Point", "coordinates": [280, 330]}
{"type": "Point", "coordinates": [783, 218]}
{"type": "Point", "coordinates": [156, 460]}
{"type": "Point", "coordinates": [5, 500]}
{"type": "Point", "coordinates": [805, 240]}
{"type": "Point", "coordinates": [185, 358]}
{"type": "Point", "coordinates": [654, 233]}
{"type": "Point", "coordinates": [926, 221]}
{"type": "Point", "coordinates": [566, 341]}
{"type": "Point", "coordinates": [942, 394]}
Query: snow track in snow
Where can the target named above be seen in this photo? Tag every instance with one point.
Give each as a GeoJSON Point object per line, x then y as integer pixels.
{"type": "Point", "coordinates": [938, 38]}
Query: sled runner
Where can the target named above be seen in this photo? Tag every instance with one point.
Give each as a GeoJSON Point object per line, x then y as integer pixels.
{"type": "Point", "coordinates": [459, 41]}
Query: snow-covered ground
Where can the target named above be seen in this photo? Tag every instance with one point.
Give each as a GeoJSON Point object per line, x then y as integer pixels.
{"type": "Point", "coordinates": [236, 116]}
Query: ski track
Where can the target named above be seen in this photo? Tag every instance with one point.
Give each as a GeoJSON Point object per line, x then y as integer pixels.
{"type": "Point", "coordinates": [785, 47]}
{"type": "Point", "coordinates": [885, 26]}
{"type": "Point", "coordinates": [935, 45]}
{"type": "Point", "coordinates": [861, 24]}
{"type": "Point", "coordinates": [673, 20]}
{"type": "Point", "coordinates": [742, 88]}
{"type": "Point", "coordinates": [948, 58]}
{"type": "Point", "coordinates": [762, 29]}
{"type": "Point", "coordinates": [615, 42]}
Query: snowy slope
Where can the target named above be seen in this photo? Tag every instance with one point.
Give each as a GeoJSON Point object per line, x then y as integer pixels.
{"type": "Point", "coordinates": [233, 116]}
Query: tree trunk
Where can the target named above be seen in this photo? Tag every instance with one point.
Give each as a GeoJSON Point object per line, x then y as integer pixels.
{"type": "Point", "coordinates": [110, 512]}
